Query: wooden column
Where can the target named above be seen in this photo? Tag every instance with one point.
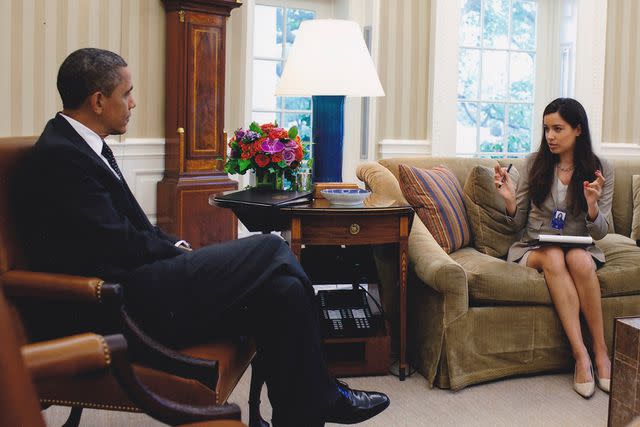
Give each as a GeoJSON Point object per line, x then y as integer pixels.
{"type": "Point", "coordinates": [195, 144]}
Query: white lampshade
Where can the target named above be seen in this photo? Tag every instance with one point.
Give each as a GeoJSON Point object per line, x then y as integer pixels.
{"type": "Point", "coordinates": [329, 57]}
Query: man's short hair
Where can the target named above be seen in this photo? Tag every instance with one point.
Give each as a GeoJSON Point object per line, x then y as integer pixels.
{"type": "Point", "coordinates": [87, 71]}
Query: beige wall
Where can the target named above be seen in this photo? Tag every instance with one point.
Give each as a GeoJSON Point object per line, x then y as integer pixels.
{"type": "Point", "coordinates": [36, 36]}
{"type": "Point", "coordinates": [621, 115]}
{"type": "Point", "coordinates": [403, 67]}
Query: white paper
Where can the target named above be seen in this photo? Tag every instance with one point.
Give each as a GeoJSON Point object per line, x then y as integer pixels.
{"type": "Point", "coordinates": [560, 238]}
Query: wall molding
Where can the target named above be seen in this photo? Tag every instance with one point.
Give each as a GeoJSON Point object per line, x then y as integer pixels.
{"type": "Point", "coordinates": [388, 148]}
{"type": "Point", "coordinates": [616, 149]}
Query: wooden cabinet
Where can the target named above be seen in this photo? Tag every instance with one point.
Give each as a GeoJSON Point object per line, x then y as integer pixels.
{"type": "Point", "coordinates": [195, 145]}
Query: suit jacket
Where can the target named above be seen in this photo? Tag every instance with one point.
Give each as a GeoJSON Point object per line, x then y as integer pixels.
{"type": "Point", "coordinates": [78, 217]}
{"type": "Point", "coordinates": [534, 220]}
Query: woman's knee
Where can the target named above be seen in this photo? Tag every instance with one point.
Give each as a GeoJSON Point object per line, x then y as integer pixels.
{"type": "Point", "coordinates": [579, 262]}
{"type": "Point", "coordinates": [550, 260]}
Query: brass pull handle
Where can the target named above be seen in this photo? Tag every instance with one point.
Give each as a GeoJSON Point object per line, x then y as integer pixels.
{"type": "Point", "coordinates": [180, 132]}
{"type": "Point", "coordinates": [354, 228]}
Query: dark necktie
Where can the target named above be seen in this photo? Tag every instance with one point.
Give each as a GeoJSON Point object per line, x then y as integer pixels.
{"type": "Point", "coordinates": [108, 154]}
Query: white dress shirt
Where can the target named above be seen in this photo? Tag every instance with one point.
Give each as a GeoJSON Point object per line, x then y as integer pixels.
{"type": "Point", "coordinates": [92, 139]}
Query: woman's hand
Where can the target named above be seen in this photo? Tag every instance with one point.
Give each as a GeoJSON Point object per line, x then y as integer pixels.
{"type": "Point", "coordinates": [592, 193]}
{"type": "Point", "coordinates": [506, 188]}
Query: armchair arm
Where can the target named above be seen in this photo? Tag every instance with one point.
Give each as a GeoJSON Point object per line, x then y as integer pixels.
{"type": "Point", "coordinates": [90, 353]}
{"type": "Point", "coordinates": [438, 270]}
{"type": "Point", "coordinates": [27, 285]}
{"type": "Point", "coordinates": [21, 283]}
{"type": "Point", "coordinates": [380, 180]}
{"type": "Point", "coordinates": [74, 355]}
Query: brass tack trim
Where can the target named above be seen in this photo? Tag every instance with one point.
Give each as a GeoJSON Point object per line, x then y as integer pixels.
{"type": "Point", "coordinates": [99, 290]}
{"type": "Point", "coordinates": [90, 405]}
{"type": "Point", "coordinates": [105, 350]}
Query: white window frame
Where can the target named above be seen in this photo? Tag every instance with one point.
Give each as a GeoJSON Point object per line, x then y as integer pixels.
{"type": "Point", "coordinates": [589, 59]}
{"type": "Point", "coordinates": [280, 110]}
{"type": "Point", "coordinates": [507, 103]}
{"type": "Point", "coordinates": [322, 9]}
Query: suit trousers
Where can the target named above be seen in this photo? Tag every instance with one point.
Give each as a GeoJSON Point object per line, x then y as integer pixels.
{"type": "Point", "coordinates": [246, 287]}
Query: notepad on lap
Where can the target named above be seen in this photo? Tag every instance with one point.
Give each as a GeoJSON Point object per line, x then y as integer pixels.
{"type": "Point", "coordinates": [559, 238]}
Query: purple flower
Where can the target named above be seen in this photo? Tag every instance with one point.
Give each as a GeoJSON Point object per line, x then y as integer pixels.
{"type": "Point", "coordinates": [289, 156]}
{"type": "Point", "coordinates": [291, 144]}
{"type": "Point", "coordinates": [240, 134]}
{"type": "Point", "coordinates": [272, 146]}
{"type": "Point", "coordinates": [234, 153]}
{"type": "Point", "coordinates": [251, 136]}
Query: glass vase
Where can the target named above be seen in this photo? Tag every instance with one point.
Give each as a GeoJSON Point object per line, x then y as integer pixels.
{"type": "Point", "coordinates": [269, 180]}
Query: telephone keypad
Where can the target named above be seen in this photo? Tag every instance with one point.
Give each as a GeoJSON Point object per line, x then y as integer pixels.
{"type": "Point", "coordinates": [346, 313]}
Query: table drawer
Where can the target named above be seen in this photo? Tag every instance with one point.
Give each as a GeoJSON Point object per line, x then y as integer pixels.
{"type": "Point", "coordinates": [343, 229]}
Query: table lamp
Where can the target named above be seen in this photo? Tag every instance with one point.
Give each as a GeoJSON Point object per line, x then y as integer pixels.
{"type": "Point", "coordinates": [328, 61]}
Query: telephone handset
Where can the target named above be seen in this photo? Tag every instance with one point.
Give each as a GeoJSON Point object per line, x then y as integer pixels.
{"type": "Point", "coordinates": [346, 313]}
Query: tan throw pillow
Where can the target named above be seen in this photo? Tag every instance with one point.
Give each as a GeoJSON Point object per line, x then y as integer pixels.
{"type": "Point", "coordinates": [436, 196]}
{"type": "Point", "coordinates": [635, 220]}
{"type": "Point", "coordinates": [486, 212]}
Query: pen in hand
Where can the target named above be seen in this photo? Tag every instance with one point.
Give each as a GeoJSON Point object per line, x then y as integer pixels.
{"type": "Point", "coordinates": [504, 177]}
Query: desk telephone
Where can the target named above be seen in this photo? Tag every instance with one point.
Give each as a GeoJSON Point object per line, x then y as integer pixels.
{"type": "Point", "coordinates": [346, 313]}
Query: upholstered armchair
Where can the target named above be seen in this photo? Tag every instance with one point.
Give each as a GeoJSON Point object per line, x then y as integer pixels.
{"type": "Point", "coordinates": [50, 306]}
{"type": "Point", "coordinates": [75, 359]}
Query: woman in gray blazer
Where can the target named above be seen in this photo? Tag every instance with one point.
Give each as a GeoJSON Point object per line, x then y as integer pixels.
{"type": "Point", "coordinates": [565, 189]}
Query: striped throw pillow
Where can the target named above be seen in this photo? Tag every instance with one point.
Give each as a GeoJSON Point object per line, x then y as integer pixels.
{"type": "Point", "coordinates": [436, 196]}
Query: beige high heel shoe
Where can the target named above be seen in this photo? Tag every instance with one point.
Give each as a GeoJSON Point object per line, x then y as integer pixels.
{"type": "Point", "coordinates": [587, 389]}
{"type": "Point", "coordinates": [604, 384]}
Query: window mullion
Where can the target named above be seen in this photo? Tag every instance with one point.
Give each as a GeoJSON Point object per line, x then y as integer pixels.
{"type": "Point", "coordinates": [480, 96]}
{"type": "Point", "coordinates": [505, 139]}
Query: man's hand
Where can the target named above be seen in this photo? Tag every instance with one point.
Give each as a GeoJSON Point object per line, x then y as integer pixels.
{"type": "Point", "coordinates": [184, 245]}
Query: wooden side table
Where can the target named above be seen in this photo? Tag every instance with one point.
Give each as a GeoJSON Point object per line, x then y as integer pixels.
{"type": "Point", "coordinates": [624, 400]}
{"type": "Point", "coordinates": [377, 221]}
{"type": "Point", "coordinates": [321, 223]}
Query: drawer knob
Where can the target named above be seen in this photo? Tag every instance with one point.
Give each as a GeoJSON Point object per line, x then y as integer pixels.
{"type": "Point", "coordinates": [354, 228]}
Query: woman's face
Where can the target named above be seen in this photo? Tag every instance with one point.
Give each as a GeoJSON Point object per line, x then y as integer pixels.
{"type": "Point", "coordinates": [560, 136]}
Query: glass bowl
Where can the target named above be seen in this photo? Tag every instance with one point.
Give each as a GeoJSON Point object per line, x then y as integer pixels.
{"type": "Point", "coordinates": [345, 196]}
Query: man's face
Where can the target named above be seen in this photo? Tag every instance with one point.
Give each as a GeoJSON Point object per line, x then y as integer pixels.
{"type": "Point", "coordinates": [116, 108]}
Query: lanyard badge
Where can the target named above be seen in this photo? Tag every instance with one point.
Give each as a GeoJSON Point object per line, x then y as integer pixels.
{"type": "Point", "coordinates": [557, 221]}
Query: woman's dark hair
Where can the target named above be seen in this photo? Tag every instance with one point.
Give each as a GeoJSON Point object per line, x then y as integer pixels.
{"type": "Point", "coordinates": [585, 161]}
{"type": "Point", "coordinates": [87, 71]}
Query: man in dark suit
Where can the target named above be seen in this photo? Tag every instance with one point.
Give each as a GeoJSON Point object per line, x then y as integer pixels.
{"type": "Point", "coordinates": [83, 219]}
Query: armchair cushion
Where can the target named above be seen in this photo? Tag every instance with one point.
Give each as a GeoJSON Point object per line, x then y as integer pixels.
{"type": "Point", "coordinates": [495, 281]}
{"type": "Point", "coordinates": [619, 274]}
{"type": "Point", "coordinates": [436, 196]}
{"type": "Point", "coordinates": [486, 212]}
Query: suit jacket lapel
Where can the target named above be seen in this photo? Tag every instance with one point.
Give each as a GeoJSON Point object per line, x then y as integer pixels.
{"type": "Point", "coordinates": [68, 131]}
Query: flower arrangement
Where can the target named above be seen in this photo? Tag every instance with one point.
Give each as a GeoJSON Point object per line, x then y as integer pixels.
{"type": "Point", "coordinates": [267, 149]}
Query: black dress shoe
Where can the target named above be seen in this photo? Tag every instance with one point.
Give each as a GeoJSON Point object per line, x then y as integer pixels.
{"type": "Point", "coordinates": [355, 406]}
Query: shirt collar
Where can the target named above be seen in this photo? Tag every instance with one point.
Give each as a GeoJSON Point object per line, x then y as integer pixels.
{"type": "Point", "coordinates": [91, 138]}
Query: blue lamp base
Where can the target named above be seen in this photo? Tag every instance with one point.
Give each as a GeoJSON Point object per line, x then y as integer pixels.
{"type": "Point", "coordinates": [328, 133]}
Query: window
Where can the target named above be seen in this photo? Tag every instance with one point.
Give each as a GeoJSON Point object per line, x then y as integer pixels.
{"type": "Point", "coordinates": [496, 70]}
{"type": "Point", "coordinates": [274, 33]}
